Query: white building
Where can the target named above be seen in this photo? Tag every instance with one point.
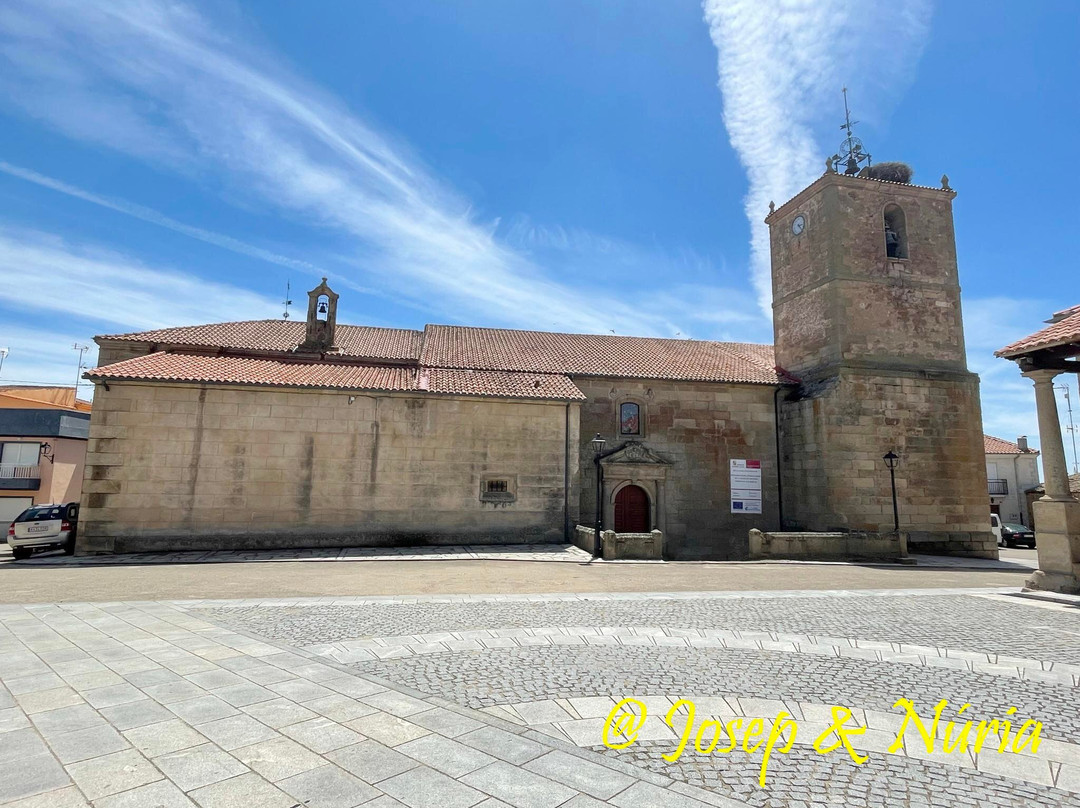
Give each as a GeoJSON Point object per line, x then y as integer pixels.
{"type": "Point", "coordinates": [1011, 469]}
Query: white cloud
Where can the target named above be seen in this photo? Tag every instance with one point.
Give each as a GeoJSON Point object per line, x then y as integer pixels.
{"type": "Point", "coordinates": [46, 279]}
{"type": "Point", "coordinates": [156, 217]}
{"type": "Point", "coordinates": [191, 97]}
{"type": "Point", "coordinates": [781, 68]}
{"type": "Point", "coordinates": [46, 356]}
{"type": "Point", "coordinates": [1008, 398]}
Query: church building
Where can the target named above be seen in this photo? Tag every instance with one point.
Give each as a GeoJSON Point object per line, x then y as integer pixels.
{"type": "Point", "coordinates": [275, 433]}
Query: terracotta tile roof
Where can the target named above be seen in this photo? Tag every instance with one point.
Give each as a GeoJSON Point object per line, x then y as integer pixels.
{"type": "Point", "coordinates": [178, 367]}
{"type": "Point", "coordinates": [362, 341]}
{"type": "Point", "coordinates": [597, 355]}
{"type": "Point", "coordinates": [1064, 331]}
{"type": "Point", "coordinates": [992, 445]}
{"type": "Point", "coordinates": [499, 383]}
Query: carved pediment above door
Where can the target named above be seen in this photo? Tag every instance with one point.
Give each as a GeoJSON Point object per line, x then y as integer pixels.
{"type": "Point", "coordinates": [634, 453]}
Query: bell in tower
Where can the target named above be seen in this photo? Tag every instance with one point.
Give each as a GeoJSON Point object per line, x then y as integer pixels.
{"type": "Point", "coordinates": [321, 319]}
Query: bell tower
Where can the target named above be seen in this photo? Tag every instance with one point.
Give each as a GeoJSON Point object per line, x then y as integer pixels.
{"type": "Point", "coordinates": [867, 319]}
{"type": "Point", "coordinates": [321, 319]}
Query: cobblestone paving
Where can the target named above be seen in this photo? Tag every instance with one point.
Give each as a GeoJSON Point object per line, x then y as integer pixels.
{"type": "Point", "coordinates": [954, 621]}
{"type": "Point", "coordinates": [506, 676]}
{"type": "Point", "coordinates": [804, 778]}
{"type": "Point", "coordinates": [528, 680]}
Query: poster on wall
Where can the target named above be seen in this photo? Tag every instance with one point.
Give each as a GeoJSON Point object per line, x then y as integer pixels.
{"type": "Point", "coordinates": [746, 486]}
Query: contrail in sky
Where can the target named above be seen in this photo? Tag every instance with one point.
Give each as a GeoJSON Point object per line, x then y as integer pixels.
{"type": "Point", "coordinates": [155, 217]}
{"type": "Point", "coordinates": [781, 67]}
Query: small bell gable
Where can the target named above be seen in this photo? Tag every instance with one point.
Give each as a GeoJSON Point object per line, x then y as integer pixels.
{"type": "Point", "coordinates": [321, 319]}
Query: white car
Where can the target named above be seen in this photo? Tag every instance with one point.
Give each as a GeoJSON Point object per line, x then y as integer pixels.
{"type": "Point", "coordinates": [995, 527]}
{"type": "Point", "coordinates": [42, 527]}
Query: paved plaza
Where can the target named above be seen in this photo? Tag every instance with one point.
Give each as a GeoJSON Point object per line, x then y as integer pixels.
{"type": "Point", "coordinates": [501, 700]}
{"type": "Point", "coordinates": [53, 577]}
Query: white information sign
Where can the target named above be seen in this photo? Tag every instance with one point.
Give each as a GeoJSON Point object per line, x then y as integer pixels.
{"type": "Point", "coordinates": [746, 486]}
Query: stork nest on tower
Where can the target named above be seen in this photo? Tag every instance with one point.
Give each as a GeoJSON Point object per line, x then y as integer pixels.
{"type": "Point", "coordinates": [890, 172]}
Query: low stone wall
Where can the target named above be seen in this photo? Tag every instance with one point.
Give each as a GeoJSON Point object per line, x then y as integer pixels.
{"type": "Point", "coordinates": [852, 546]}
{"type": "Point", "coordinates": [966, 544]}
{"type": "Point", "coordinates": [636, 546]}
{"type": "Point", "coordinates": [624, 546]}
{"type": "Point", "coordinates": [585, 538]}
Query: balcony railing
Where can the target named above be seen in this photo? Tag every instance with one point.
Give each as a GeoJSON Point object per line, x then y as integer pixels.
{"type": "Point", "coordinates": [18, 477]}
{"type": "Point", "coordinates": [998, 488]}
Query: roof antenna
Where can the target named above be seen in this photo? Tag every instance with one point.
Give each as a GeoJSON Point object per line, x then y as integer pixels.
{"type": "Point", "coordinates": [286, 301]}
{"type": "Point", "coordinates": [82, 349]}
{"type": "Point", "coordinates": [851, 150]}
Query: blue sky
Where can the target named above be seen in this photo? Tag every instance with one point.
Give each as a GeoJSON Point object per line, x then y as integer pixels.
{"type": "Point", "coordinates": [583, 166]}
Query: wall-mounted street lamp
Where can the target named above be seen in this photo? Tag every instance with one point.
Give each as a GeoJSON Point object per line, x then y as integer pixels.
{"type": "Point", "coordinates": [47, 452]}
{"type": "Point", "coordinates": [598, 447]}
{"type": "Point", "coordinates": [891, 459]}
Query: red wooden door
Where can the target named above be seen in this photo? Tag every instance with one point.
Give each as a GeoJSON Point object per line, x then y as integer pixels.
{"type": "Point", "coordinates": [632, 510]}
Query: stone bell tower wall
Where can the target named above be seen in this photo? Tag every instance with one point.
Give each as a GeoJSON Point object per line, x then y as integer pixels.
{"type": "Point", "coordinates": [838, 298]}
{"type": "Point", "coordinates": [877, 345]}
{"type": "Point", "coordinates": [835, 431]}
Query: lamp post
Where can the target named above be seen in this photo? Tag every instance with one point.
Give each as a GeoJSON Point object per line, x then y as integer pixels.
{"type": "Point", "coordinates": [598, 447]}
{"type": "Point", "coordinates": [891, 459]}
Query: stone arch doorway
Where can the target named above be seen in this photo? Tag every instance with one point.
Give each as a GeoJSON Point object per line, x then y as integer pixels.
{"type": "Point", "coordinates": [632, 510]}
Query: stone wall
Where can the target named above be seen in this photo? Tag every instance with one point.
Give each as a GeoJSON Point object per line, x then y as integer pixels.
{"type": "Point", "coordinates": [110, 352]}
{"type": "Point", "coordinates": [854, 546]}
{"type": "Point", "coordinates": [835, 432]}
{"type": "Point", "coordinates": [877, 344]}
{"type": "Point", "coordinates": [697, 428]}
{"type": "Point", "coordinates": [838, 298]}
{"type": "Point", "coordinates": [633, 546]}
{"type": "Point", "coordinates": [585, 538]}
{"type": "Point", "coordinates": [187, 466]}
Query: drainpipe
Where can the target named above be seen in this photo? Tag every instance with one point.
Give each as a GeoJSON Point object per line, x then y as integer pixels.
{"type": "Point", "coordinates": [785, 379]}
{"type": "Point", "coordinates": [779, 476]}
{"type": "Point", "coordinates": [566, 478]}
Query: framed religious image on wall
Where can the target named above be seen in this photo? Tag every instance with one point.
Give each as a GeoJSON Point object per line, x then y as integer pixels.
{"type": "Point", "coordinates": [629, 418]}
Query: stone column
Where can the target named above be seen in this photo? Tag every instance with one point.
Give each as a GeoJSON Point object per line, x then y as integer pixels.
{"type": "Point", "coordinates": [1057, 514]}
{"type": "Point", "coordinates": [1055, 470]}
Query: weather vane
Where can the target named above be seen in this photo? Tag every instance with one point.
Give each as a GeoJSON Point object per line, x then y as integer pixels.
{"type": "Point", "coordinates": [851, 150]}
{"type": "Point", "coordinates": [286, 301]}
